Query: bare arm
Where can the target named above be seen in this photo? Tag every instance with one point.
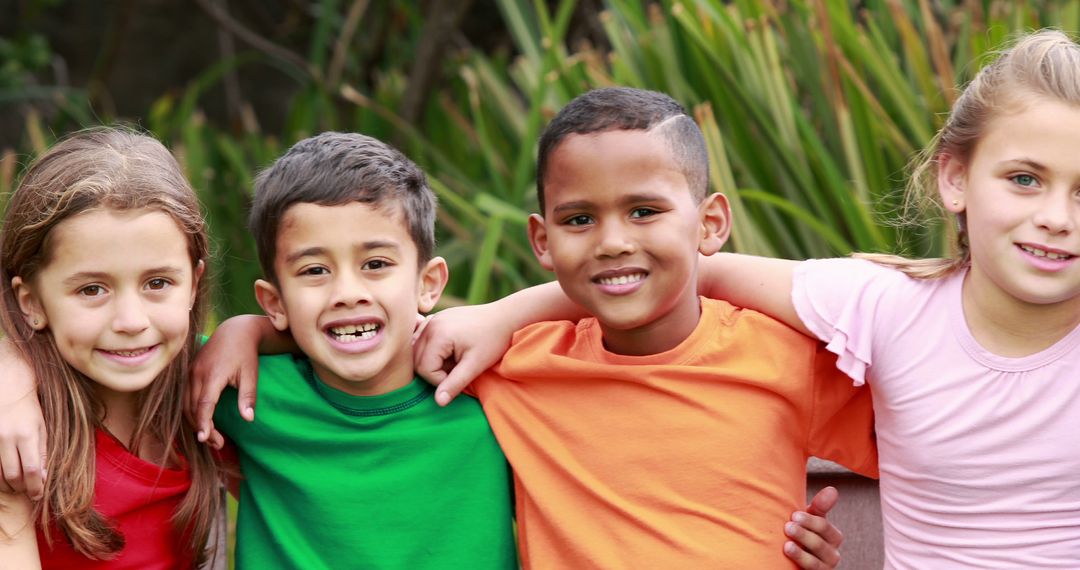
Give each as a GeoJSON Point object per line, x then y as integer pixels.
{"type": "Point", "coordinates": [231, 358]}
{"type": "Point", "coordinates": [22, 429]}
{"type": "Point", "coordinates": [454, 346]}
{"type": "Point", "coordinates": [759, 283]}
{"type": "Point", "coordinates": [18, 540]}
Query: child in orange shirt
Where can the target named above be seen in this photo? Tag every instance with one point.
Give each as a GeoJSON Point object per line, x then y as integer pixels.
{"type": "Point", "coordinates": [666, 430]}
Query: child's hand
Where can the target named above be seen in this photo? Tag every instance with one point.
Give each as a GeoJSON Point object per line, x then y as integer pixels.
{"type": "Point", "coordinates": [229, 358]}
{"type": "Point", "coordinates": [815, 541]}
{"type": "Point", "coordinates": [452, 347]}
{"type": "Point", "coordinates": [22, 441]}
{"type": "Point", "coordinates": [22, 429]}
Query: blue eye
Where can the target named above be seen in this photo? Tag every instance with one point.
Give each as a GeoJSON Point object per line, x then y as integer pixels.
{"type": "Point", "coordinates": [1025, 180]}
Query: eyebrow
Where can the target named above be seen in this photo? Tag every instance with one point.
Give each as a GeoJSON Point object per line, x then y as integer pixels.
{"type": "Point", "coordinates": [625, 200]}
{"type": "Point", "coordinates": [317, 251]}
{"type": "Point", "coordinates": [82, 276]}
{"type": "Point", "coordinates": [306, 252]}
{"type": "Point", "coordinates": [1026, 162]}
{"type": "Point", "coordinates": [379, 244]}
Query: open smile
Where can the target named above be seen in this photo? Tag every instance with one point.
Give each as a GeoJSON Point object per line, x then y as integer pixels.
{"type": "Point", "coordinates": [355, 335]}
{"type": "Point", "coordinates": [621, 281]}
{"type": "Point", "coordinates": [129, 356]}
{"type": "Point", "coordinates": [1045, 258]}
{"type": "Point", "coordinates": [1048, 253]}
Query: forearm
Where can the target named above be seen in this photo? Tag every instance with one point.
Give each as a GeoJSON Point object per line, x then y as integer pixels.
{"type": "Point", "coordinates": [257, 331]}
{"type": "Point", "coordinates": [546, 302]}
{"type": "Point", "coordinates": [18, 378]}
{"type": "Point", "coordinates": [759, 283]}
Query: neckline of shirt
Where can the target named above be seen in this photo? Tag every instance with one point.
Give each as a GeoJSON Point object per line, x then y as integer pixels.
{"type": "Point", "coordinates": [954, 291]}
{"type": "Point", "coordinates": [683, 352]}
{"type": "Point", "coordinates": [408, 396]}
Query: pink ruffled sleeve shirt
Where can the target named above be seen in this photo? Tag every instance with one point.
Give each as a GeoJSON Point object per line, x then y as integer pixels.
{"type": "Point", "coordinates": [979, 454]}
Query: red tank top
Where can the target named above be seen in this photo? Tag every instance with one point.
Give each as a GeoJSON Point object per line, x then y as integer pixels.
{"type": "Point", "coordinates": [138, 498]}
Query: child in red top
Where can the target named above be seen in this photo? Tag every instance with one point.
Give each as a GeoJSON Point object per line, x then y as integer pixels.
{"type": "Point", "coordinates": [101, 259]}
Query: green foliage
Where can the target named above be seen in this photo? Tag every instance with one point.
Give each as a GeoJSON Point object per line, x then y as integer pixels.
{"type": "Point", "coordinates": [811, 110]}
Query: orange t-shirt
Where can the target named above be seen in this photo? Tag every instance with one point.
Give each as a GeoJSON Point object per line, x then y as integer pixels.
{"type": "Point", "coordinates": [692, 458]}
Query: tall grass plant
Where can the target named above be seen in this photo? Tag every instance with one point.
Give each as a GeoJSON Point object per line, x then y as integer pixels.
{"type": "Point", "coordinates": [811, 111]}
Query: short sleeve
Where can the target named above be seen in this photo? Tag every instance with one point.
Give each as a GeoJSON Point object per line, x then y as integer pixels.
{"type": "Point", "coordinates": [842, 419]}
{"type": "Point", "coordinates": [841, 302]}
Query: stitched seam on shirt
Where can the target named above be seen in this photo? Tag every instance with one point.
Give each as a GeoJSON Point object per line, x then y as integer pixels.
{"type": "Point", "coordinates": [396, 408]}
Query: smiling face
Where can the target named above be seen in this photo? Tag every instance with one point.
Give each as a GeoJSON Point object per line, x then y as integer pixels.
{"type": "Point", "coordinates": [1020, 195]}
{"type": "Point", "coordinates": [622, 233]}
{"type": "Point", "coordinates": [349, 290]}
{"type": "Point", "coordinates": [115, 295]}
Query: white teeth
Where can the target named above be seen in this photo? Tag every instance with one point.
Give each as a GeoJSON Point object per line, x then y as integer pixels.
{"type": "Point", "coordinates": [622, 279]}
{"type": "Point", "coordinates": [129, 353]}
{"type": "Point", "coordinates": [347, 333]}
{"type": "Point", "coordinates": [1043, 253]}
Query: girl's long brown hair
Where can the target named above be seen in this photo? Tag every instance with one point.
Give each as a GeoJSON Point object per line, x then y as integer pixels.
{"type": "Point", "coordinates": [1041, 65]}
{"type": "Point", "coordinates": [122, 170]}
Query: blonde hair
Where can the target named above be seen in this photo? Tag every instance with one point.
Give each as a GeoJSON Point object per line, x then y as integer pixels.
{"type": "Point", "coordinates": [122, 170]}
{"type": "Point", "coordinates": [1043, 64]}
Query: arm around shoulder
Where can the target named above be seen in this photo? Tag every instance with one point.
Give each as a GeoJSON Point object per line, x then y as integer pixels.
{"type": "Point", "coordinates": [455, 345]}
{"type": "Point", "coordinates": [759, 283]}
{"type": "Point", "coordinates": [22, 429]}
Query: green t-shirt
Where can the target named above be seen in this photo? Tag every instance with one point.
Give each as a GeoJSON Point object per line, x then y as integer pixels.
{"type": "Point", "coordinates": [333, 480]}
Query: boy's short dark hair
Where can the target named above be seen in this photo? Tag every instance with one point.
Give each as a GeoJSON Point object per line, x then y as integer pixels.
{"type": "Point", "coordinates": [626, 108]}
{"type": "Point", "coordinates": [333, 169]}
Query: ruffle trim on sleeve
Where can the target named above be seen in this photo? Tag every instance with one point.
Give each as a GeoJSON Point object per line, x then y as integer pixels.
{"type": "Point", "coordinates": [846, 335]}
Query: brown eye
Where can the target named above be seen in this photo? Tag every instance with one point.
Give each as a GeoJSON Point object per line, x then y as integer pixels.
{"type": "Point", "coordinates": [642, 212]}
{"type": "Point", "coordinates": [92, 291]}
{"type": "Point", "coordinates": [375, 264]}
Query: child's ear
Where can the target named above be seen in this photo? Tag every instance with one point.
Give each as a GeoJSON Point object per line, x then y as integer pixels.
{"type": "Point", "coordinates": [269, 298]}
{"type": "Point", "coordinates": [31, 308]}
{"type": "Point", "coordinates": [538, 240]}
{"type": "Point", "coordinates": [433, 277]}
{"type": "Point", "coordinates": [197, 275]}
{"type": "Point", "coordinates": [715, 223]}
{"type": "Point", "coordinates": [952, 181]}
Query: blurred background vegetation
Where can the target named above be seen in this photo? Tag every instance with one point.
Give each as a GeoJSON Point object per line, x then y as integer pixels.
{"type": "Point", "coordinates": [811, 108]}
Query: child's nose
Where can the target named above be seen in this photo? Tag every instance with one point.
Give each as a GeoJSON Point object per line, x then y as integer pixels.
{"type": "Point", "coordinates": [131, 316]}
{"type": "Point", "coordinates": [1056, 213]}
{"type": "Point", "coordinates": [350, 290]}
{"type": "Point", "coordinates": [615, 240]}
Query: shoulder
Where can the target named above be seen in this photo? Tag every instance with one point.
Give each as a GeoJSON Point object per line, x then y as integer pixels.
{"type": "Point", "coordinates": [831, 290]}
{"type": "Point", "coordinates": [847, 270]}
{"type": "Point", "coordinates": [546, 335]}
{"type": "Point", "coordinates": [279, 364]}
{"type": "Point", "coordinates": [842, 275]}
{"type": "Point", "coordinates": [279, 377]}
{"type": "Point", "coordinates": [742, 324]}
